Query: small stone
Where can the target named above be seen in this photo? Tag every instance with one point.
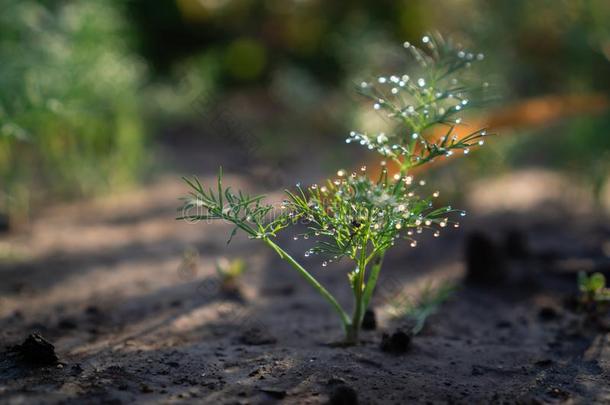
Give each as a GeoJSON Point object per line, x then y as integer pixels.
{"type": "Point", "coordinates": [477, 370]}
{"type": "Point", "coordinates": [548, 314]}
{"type": "Point", "coordinates": [76, 369]}
{"type": "Point", "coordinates": [274, 392]}
{"type": "Point", "coordinates": [37, 350]}
{"type": "Point", "coordinates": [397, 343]}
{"type": "Point", "coordinates": [544, 363]}
{"type": "Point", "coordinates": [257, 336]}
{"type": "Point", "coordinates": [343, 395]}
{"type": "Point", "coordinates": [145, 389]}
{"type": "Point", "coordinates": [369, 321]}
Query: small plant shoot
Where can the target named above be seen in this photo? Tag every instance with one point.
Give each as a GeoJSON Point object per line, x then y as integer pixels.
{"type": "Point", "coordinates": [418, 311]}
{"type": "Point", "coordinates": [594, 295]}
{"type": "Point", "coordinates": [229, 273]}
{"type": "Point", "coordinates": [355, 216]}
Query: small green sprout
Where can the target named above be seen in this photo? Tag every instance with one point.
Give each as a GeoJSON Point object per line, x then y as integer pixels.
{"type": "Point", "coordinates": [594, 294]}
{"type": "Point", "coordinates": [229, 272]}
{"type": "Point", "coordinates": [353, 216]}
{"type": "Point", "coordinates": [427, 304]}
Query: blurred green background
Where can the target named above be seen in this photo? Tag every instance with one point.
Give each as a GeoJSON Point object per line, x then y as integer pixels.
{"type": "Point", "coordinates": [95, 94]}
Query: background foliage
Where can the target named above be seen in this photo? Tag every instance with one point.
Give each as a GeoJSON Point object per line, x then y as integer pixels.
{"type": "Point", "coordinates": [79, 79]}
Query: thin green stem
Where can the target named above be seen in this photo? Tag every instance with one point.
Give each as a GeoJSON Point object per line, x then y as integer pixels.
{"type": "Point", "coordinates": [345, 320]}
{"type": "Point", "coordinates": [372, 281]}
{"type": "Point", "coordinates": [358, 314]}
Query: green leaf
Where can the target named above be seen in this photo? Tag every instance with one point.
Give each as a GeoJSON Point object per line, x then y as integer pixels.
{"type": "Point", "coordinates": [597, 282]}
{"type": "Point", "coordinates": [233, 232]}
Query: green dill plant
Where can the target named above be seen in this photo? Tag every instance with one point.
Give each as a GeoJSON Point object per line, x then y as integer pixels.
{"type": "Point", "coordinates": [358, 217]}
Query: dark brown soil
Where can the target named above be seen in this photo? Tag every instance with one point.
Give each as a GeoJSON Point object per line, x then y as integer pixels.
{"type": "Point", "coordinates": [105, 283]}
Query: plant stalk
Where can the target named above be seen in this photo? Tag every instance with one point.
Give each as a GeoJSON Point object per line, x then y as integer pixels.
{"type": "Point", "coordinates": [345, 320]}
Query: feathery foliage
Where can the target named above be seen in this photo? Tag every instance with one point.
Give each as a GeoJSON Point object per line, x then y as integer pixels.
{"type": "Point", "coordinates": [354, 216]}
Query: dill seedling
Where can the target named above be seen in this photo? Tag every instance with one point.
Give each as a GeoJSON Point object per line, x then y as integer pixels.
{"type": "Point", "coordinates": [355, 217]}
{"type": "Point", "coordinates": [428, 303]}
{"type": "Point", "coordinates": [229, 272]}
{"type": "Point", "coordinates": [594, 295]}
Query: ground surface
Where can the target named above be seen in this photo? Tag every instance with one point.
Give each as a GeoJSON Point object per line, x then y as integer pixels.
{"type": "Point", "coordinates": [131, 320]}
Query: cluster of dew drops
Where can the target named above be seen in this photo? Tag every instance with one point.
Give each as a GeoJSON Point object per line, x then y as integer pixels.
{"type": "Point", "coordinates": [410, 233]}
{"type": "Point", "coordinates": [398, 82]}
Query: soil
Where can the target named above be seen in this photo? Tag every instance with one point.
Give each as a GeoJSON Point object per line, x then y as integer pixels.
{"type": "Point", "coordinates": [106, 287]}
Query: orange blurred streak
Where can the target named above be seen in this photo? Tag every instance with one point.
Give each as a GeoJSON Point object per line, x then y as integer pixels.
{"type": "Point", "coordinates": [534, 112]}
